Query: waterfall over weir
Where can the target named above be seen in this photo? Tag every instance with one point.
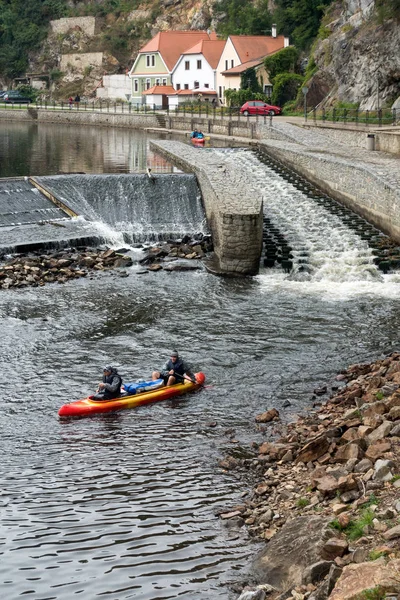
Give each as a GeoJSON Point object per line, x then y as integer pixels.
{"type": "Point", "coordinates": [136, 206]}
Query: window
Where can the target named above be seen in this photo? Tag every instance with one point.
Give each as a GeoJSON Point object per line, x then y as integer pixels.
{"type": "Point", "coordinates": [199, 64]}
{"type": "Point", "coordinates": [178, 86]}
{"type": "Point", "coordinates": [135, 85]}
{"type": "Point", "coordinates": [164, 82]}
{"type": "Point", "coordinates": [196, 85]}
{"type": "Point", "coordinates": [187, 65]}
{"type": "Point", "coordinates": [206, 85]}
{"type": "Point", "coordinates": [220, 91]}
{"type": "Point", "coordinates": [157, 82]}
{"type": "Point", "coordinates": [186, 86]}
{"type": "Point", "coordinates": [226, 65]}
{"type": "Point", "coordinates": [148, 84]}
{"type": "Point", "coordinates": [150, 60]}
{"type": "Point", "coordinates": [232, 64]}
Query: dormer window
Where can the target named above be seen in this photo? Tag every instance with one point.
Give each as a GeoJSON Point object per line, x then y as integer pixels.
{"type": "Point", "coordinates": [150, 60]}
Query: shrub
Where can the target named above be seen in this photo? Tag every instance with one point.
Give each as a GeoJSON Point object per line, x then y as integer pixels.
{"type": "Point", "coordinates": [302, 502]}
{"type": "Point", "coordinates": [283, 61]}
{"type": "Point", "coordinates": [286, 86]}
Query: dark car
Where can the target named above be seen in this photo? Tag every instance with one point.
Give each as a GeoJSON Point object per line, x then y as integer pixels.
{"type": "Point", "coordinates": [257, 107]}
{"type": "Point", "coordinates": [15, 97]}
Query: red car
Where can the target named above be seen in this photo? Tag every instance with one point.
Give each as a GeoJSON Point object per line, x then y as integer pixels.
{"type": "Point", "coordinates": [257, 107]}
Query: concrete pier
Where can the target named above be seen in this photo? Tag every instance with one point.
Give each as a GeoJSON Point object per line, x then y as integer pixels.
{"type": "Point", "coordinates": [234, 213]}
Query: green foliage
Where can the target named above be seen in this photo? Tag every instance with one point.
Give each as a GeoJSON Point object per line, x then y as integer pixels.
{"type": "Point", "coordinates": [239, 97]}
{"type": "Point", "coordinates": [28, 91]}
{"type": "Point", "coordinates": [375, 554]}
{"type": "Point", "coordinates": [379, 395]}
{"type": "Point", "coordinates": [248, 80]}
{"type": "Point", "coordinates": [284, 60]}
{"type": "Point", "coordinates": [23, 26]}
{"type": "Point", "coordinates": [286, 86]}
{"type": "Point", "coordinates": [376, 593]}
{"type": "Point", "coordinates": [56, 74]}
{"type": "Point", "coordinates": [336, 525]}
{"type": "Point", "coordinates": [300, 19]}
{"type": "Point", "coordinates": [395, 478]}
{"type": "Point", "coordinates": [302, 502]}
{"type": "Point", "coordinates": [243, 17]}
{"type": "Point", "coordinates": [387, 9]}
{"type": "Point", "coordinates": [355, 529]}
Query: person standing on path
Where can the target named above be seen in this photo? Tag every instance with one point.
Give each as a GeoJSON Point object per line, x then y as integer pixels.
{"type": "Point", "coordinates": [77, 100]}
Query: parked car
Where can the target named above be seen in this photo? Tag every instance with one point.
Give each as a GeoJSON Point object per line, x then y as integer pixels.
{"type": "Point", "coordinates": [15, 97]}
{"type": "Point", "coordinates": [257, 107]}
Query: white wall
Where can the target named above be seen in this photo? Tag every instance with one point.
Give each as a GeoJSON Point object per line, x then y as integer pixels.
{"type": "Point", "coordinates": [114, 86]}
{"type": "Point", "coordinates": [229, 54]}
{"type": "Point", "coordinates": [204, 76]}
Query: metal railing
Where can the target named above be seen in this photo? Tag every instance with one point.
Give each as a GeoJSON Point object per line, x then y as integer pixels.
{"type": "Point", "coordinates": [205, 110]}
{"type": "Point", "coordinates": [355, 116]}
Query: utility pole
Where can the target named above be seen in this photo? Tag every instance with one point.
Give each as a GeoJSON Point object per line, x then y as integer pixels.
{"type": "Point", "coordinates": [304, 89]}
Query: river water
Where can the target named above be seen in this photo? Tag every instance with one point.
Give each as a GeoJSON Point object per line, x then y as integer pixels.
{"type": "Point", "coordinates": [123, 506]}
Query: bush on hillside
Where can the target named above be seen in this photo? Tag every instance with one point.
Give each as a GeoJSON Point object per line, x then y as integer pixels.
{"type": "Point", "coordinates": [283, 61]}
{"type": "Point", "coordinates": [286, 86]}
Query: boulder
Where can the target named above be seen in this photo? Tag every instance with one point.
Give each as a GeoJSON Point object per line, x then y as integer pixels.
{"type": "Point", "coordinates": [363, 466]}
{"type": "Point", "coordinates": [358, 578]}
{"type": "Point", "coordinates": [382, 470]}
{"type": "Point", "coordinates": [349, 451]}
{"type": "Point", "coordinates": [294, 548]}
{"type": "Point", "coordinates": [316, 572]}
{"type": "Point", "coordinates": [267, 416]}
{"type": "Point", "coordinates": [392, 534]}
{"type": "Point", "coordinates": [381, 432]}
{"type": "Point", "coordinates": [378, 449]}
{"type": "Point", "coordinates": [333, 548]}
{"type": "Point", "coordinates": [313, 449]}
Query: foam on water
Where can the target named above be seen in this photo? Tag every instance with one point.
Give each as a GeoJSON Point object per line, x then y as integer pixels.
{"type": "Point", "coordinates": [339, 262]}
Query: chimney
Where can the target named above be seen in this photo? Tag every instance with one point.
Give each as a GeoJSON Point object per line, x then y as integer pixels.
{"type": "Point", "coordinates": [286, 42]}
{"type": "Point", "coordinates": [274, 30]}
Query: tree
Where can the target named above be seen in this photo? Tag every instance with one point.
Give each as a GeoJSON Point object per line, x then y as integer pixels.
{"type": "Point", "coordinates": [244, 17]}
{"type": "Point", "coordinates": [300, 19]}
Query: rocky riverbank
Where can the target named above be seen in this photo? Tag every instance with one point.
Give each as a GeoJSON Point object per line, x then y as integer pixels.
{"type": "Point", "coordinates": [38, 269]}
{"type": "Point", "coordinates": [326, 498]}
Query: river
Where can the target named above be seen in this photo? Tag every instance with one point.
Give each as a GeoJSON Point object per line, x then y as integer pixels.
{"type": "Point", "coordinates": [123, 506]}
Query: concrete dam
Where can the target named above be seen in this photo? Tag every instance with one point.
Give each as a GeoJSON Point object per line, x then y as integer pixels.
{"type": "Point", "coordinates": [65, 210]}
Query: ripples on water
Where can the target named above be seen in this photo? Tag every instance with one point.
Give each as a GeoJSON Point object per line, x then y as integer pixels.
{"type": "Point", "coordinates": [123, 506]}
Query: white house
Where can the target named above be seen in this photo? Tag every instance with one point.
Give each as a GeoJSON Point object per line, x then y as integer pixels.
{"type": "Point", "coordinates": [196, 68]}
{"type": "Point", "coordinates": [241, 49]}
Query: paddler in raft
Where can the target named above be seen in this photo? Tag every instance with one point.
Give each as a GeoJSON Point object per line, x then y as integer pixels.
{"type": "Point", "coordinates": [175, 371]}
{"type": "Point", "coordinates": [110, 387]}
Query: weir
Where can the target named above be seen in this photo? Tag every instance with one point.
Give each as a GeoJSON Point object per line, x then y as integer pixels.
{"type": "Point", "coordinates": [112, 209]}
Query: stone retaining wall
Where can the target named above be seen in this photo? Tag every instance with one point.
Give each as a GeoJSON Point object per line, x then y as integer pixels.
{"type": "Point", "coordinates": [81, 117]}
{"type": "Point", "coordinates": [62, 26]}
{"type": "Point", "coordinates": [385, 141]}
{"type": "Point", "coordinates": [353, 184]}
{"type": "Point", "coordinates": [234, 215]}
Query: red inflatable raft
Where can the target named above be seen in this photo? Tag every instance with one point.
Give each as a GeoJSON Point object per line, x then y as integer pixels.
{"type": "Point", "coordinates": [87, 407]}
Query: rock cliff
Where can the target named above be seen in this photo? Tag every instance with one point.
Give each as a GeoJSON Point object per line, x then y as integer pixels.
{"type": "Point", "coordinates": [359, 59]}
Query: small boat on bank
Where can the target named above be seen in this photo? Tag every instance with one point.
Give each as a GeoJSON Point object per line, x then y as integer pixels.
{"type": "Point", "coordinates": [87, 407]}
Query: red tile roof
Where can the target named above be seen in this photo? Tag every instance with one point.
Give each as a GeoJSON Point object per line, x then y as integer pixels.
{"type": "Point", "coordinates": [250, 47]}
{"type": "Point", "coordinates": [196, 92]}
{"type": "Point", "coordinates": [171, 44]}
{"type": "Point", "coordinates": [211, 50]}
{"type": "Point", "coordinates": [160, 89]}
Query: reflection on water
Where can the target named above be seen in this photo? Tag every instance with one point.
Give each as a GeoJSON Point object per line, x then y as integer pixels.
{"type": "Point", "coordinates": [48, 149]}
